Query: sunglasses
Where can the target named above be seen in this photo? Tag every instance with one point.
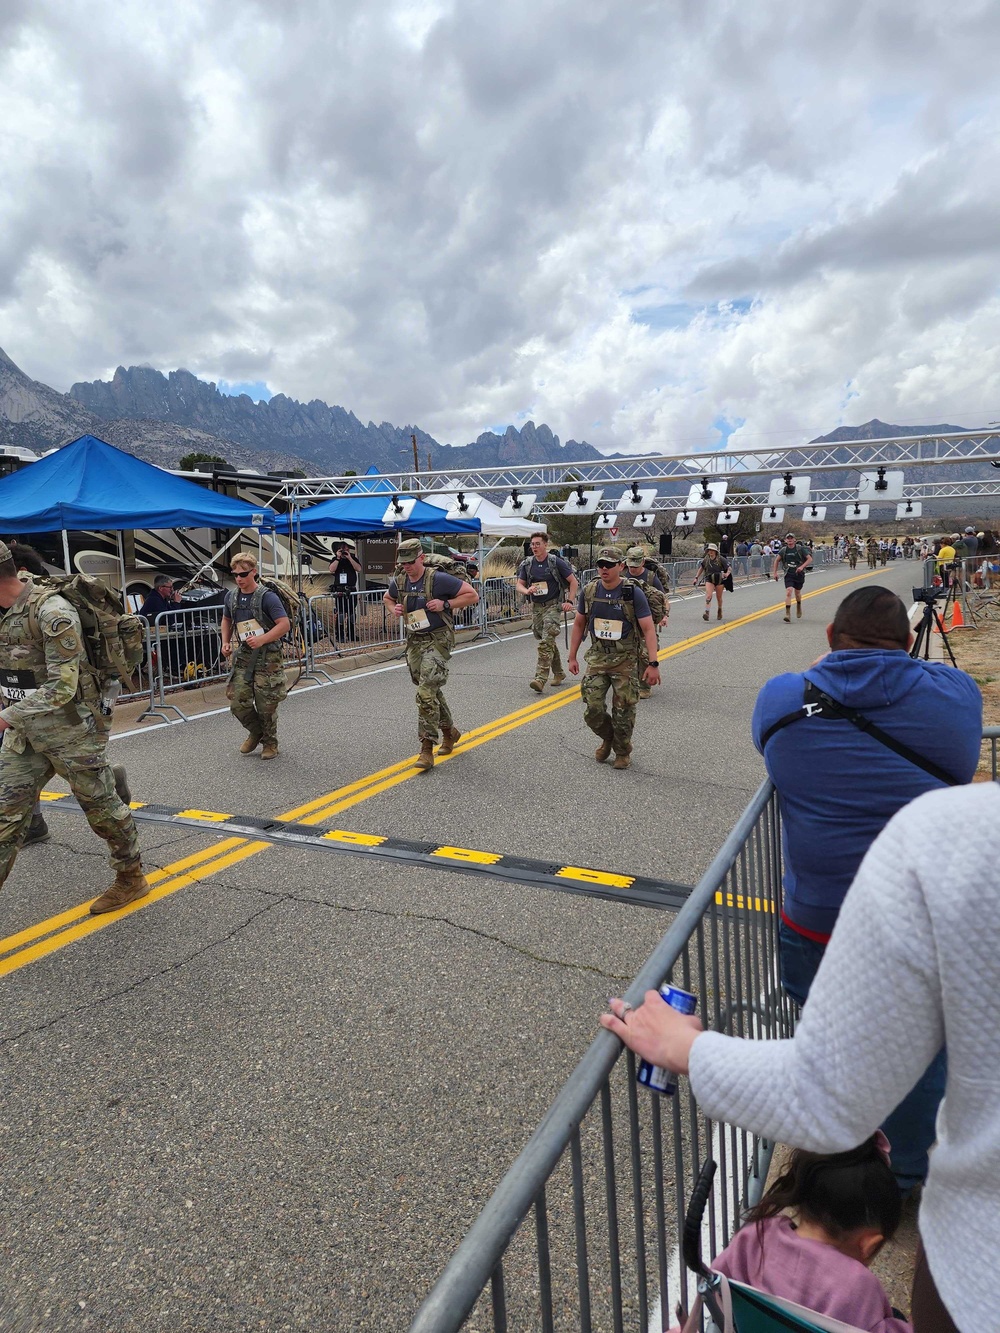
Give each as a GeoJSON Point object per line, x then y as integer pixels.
{"type": "Point", "coordinates": [242, 573]}
{"type": "Point", "coordinates": [607, 564]}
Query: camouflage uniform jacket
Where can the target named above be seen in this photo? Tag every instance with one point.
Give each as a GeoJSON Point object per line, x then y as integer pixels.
{"type": "Point", "coordinates": [40, 677]}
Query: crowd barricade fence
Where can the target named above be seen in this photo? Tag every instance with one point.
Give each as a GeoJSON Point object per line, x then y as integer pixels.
{"type": "Point", "coordinates": [991, 737]}
{"type": "Point", "coordinates": [342, 624]}
{"type": "Point", "coordinates": [607, 1175]}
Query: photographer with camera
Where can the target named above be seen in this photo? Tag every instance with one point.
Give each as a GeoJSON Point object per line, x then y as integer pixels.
{"type": "Point", "coordinates": [848, 743]}
{"type": "Point", "coordinates": [345, 568]}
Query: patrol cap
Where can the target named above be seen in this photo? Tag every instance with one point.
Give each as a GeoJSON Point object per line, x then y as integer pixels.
{"type": "Point", "coordinates": [409, 550]}
{"type": "Point", "coordinates": [635, 555]}
{"type": "Point", "coordinates": [610, 553]}
{"type": "Point", "coordinates": [5, 552]}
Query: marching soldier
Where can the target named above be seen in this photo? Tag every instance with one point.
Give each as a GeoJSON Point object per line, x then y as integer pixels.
{"type": "Point", "coordinates": [256, 618]}
{"type": "Point", "coordinates": [427, 601]}
{"type": "Point", "coordinates": [53, 722]}
{"type": "Point", "coordinates": [639, 572]}
{"type": "Point", "coordinates": [549, 582]}
{"type": "Point", "coordinates": [616, 614]}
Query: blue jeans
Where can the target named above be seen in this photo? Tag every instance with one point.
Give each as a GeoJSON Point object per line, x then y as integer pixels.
{"type": "Point", "coordinates": [910, 1129]}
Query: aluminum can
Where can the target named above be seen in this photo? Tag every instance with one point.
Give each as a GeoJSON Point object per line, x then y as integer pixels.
{"type": "Point", "coordinates": [653, 1077]}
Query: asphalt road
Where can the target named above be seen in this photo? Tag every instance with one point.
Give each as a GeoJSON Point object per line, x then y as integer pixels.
{"type": "Point", "coordinates": [276, 1094]}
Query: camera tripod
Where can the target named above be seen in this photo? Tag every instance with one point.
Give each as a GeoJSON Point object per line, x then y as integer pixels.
{"type": "Point", "coordinates": [933, 619]}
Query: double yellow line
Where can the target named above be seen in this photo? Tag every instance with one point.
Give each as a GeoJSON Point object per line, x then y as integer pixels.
{"type": "Point", "coordinates": [56, 932]}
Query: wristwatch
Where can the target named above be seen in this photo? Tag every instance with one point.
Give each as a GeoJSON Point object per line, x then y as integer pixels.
{"type": "Point", "coordinates": [447, 605]}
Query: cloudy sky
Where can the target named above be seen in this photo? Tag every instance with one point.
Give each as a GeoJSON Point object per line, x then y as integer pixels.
{"type": "Point", "coordinates": [649, 225]}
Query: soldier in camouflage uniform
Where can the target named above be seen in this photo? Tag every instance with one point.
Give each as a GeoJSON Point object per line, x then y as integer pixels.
{"type": "Point", "coordinates": [426, 599]}
{"type": "Point", "coordinates": [257, 683]}
{"type": "Point", "coordinates": [542, 578]}
{"type": "Point", "coordinates": [53, 723]}
{"type": "Point", "coordinates": [639, 572]}
{"type": "Point", "coordinates": [615, 613]}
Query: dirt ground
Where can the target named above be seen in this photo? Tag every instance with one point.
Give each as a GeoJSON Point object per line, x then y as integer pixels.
{"type": "Point", "coordinates": [977, 651]}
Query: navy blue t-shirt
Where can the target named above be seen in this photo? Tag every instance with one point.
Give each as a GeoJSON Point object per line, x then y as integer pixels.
{"type": "Point", "coordinates": [535, 572]}
{"type": "Point", "coordinates": [414, 604]}
{"type": "Point", "coordinates": [608, 625]}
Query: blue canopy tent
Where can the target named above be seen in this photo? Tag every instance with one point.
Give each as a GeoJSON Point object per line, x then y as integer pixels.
{"type": "Point", "coordinates": [92, 485]}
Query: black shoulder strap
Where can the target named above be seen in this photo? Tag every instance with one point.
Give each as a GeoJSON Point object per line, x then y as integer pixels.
{"type": "Point", "coordinates": [817, 703]}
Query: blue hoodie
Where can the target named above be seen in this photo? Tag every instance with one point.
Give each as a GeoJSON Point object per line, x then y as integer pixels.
{"type": "Point", "coordinates": [838, 787]}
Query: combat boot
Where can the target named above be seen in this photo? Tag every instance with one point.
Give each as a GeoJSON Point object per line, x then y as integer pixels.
{"type": "Point", "coordinates": [270, 750]}
{"type": "Point", "coordinates": [425, 759]}
{"type": "Point", "coordinates": [38, 831]}
{"type": "Point", "coordinates": [537, 685]}
{"type": "Point", "coordinates": [129, 886]}
{"type": "Point", "coordinates": [450, 736]}
{"type": "Point", "coordinates": [623, 757]}
{"type": "Point", "coordinates": [557, 678]}
{"type": "Point", "coordinates": [121, 785]}
{"type": "Point", "coordinates": [603, 751]}
{"type": "Point", "coordinates": [250, 744]}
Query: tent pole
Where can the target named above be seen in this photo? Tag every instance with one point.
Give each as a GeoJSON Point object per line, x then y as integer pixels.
{"type": "Point", "coordinates": [121, 560]}
{"type": "Point", "coordinates": [66, 560]}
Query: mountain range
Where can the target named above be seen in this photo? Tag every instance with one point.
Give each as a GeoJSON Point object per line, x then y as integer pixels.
{"type": "Point", "coordinates": [160, 418]}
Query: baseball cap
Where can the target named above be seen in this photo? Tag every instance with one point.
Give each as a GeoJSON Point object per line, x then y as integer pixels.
{"type": "Point", "coordinates": [970, 529]}
{"type": "Point", "coordinates": [408, 550]}
{"type": "Point", "coordinates": [610, 553]}
{"type": "Point", "coordinates": [789, 534]}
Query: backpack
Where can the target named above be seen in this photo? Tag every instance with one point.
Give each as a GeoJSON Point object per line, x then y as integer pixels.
{"type": "Point", "coordinates": [113, 640]}
{"type": "Point", "coordinates": [656, 599]}
{"type": "Point", "coordinates": [550, 564]}
{"type": "Point", "coordinates": [289, 598]}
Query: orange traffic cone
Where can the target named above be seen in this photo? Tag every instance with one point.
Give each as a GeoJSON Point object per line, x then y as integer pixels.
{"type": "Point", "coordinates": [957, 619]}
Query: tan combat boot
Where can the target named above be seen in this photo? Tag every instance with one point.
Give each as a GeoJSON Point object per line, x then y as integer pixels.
{"type": "Point", "coordinates": [623, 757]}
{"type": "Point", "coordinates": [250, 744]}
{"type": "Point", "coordinates": [425, 759]}
{"type": "Point", "coordinates": [450, 736]}
{"type": "Point", "coordinates": [128, 886]}
{"type": "Point", "coordinates": [557, 678]}
{"type": "Point", "coordinates": [270, 750]}
{"type": "Point", "coordinates": [603, 751]}
{"type": "Point", "coordinates": [537, 685]}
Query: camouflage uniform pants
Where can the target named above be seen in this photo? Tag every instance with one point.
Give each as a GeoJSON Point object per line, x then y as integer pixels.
{"type": "Point", "coordinates": [427, 657]}
{"type": "Point", "coordinates": [255, 691]}
{"type": "Point", "coordinates": [546, 622]}
{"type": "Point", "coordinates": [617, 672]}
{"type": "Point", "coordinates": [78, 753]}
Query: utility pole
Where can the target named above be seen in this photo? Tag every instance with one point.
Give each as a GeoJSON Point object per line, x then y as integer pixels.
{"type": "Point", "coordinates": [416, 461]}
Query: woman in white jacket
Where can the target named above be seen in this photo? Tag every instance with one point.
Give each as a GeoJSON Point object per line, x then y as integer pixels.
{"type": "Point", "coordinates": [915, 956]}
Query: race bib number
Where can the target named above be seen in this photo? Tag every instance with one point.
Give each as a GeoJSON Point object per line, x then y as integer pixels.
{"type": "Point", "coordinates": [607, 629]}
{"type": "Point", "coordinates": [17, 685]}
{"type": "Point", "coordinates": [342, 579]}
{"type": "Point", "coordinates": [417, 620]}
{"type": "Point", "coordinates": [539, 590]}
{"type": "Point", "coordinates": [245, 628]}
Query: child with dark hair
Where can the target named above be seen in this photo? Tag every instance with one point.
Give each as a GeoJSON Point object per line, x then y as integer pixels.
{"type": "Point", "coordinates": [815, 1232]}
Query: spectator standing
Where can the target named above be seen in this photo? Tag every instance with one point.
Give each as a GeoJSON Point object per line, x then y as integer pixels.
{"type": "Point", "coordinates": [831, 814]}
{"type": "Point", "coordinates": [726, 544]}
{"type": "Point", "coordinates": [916, 953]}
{"type": "Point", "coordinates": [344, 570]}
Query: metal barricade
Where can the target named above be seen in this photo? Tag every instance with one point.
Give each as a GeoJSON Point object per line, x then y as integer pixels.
{"type": "Point", "coordinates": [991, 737]}
{"type": "Point", "coordinates": [607, 1174]}
{"type": "Point", "coordinates": [503, 603]}
{"type": "Point", "coordinates": [349, 623]}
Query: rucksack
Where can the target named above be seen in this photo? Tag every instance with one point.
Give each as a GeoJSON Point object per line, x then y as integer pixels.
{"type": "Point", "coordinates": [656, 599]}
{"type": "Point", "coordinates": [287, 595]}
{"type": "Point", "coordinates": [113, 640]}
{"type": "Point", "coordinates": [551, 565]}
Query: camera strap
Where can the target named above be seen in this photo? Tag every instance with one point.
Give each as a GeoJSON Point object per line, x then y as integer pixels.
{"type": "Point", "coordinates": [817, 703]}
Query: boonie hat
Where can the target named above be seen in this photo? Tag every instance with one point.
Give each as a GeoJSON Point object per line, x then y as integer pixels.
{"type": "Point", "coordinates": [408, 550]}
{"type": "Point", "coordinates": [635, 554]}
{"type": "Point", "coordinates": [610, 553]}
{"type": "Point", "coordinates": [712, 546]}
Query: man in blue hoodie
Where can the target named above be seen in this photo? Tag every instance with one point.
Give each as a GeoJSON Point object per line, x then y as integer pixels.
{"type": "Point", "coordinates": [839, 786]}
